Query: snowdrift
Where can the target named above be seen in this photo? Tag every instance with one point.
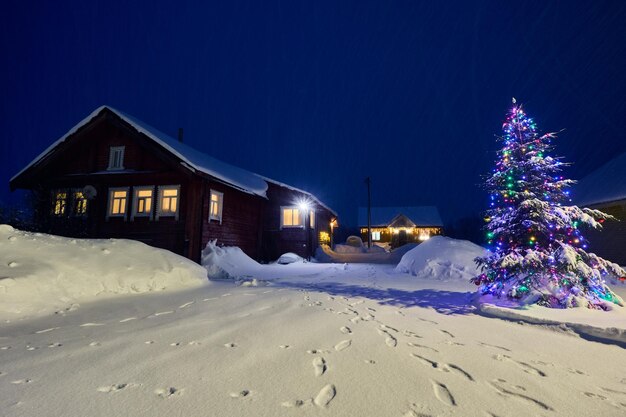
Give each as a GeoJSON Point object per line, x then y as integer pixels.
{"type": "Point", "coordinates": [442, 258]}
{"type": "Point", "coordinates": [227, 262]}
{"type": "Point", "coordinates": [42, 273]}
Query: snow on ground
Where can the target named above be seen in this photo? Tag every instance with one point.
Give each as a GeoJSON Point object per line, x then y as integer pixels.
{"type": "Point", "coordinates": [41, 273]}
{"type": "Point", "coordinates": [318, 340]}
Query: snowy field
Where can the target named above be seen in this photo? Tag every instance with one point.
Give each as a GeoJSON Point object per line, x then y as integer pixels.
{"type": "Point", "coordinates": [303, 339]}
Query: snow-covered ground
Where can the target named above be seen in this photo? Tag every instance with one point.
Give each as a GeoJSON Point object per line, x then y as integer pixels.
{"type": "Point", "coordinates": [302, 339]}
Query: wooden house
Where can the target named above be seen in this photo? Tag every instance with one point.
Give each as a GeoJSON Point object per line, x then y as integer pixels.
{"type": "Point", "coordinates": [400, 225]}
{"type": "Point", "coordinates": [113, 176]}
{"type": "Point", "coordinates": [605, 189]}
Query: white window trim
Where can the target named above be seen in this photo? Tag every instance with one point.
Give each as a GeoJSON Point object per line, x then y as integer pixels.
{"type": "Point", "coordinates": [282, 218]}
{"type": "Point", "coordinates": [136, 202]}
{"type": "Point", "coordinates": [112, 151]}
{"type": "Point", "coordinates": [221, 206]}
{"type": "Point", "coordinates": [110, 202]}
{"type": "Point", "coordinates": [159, 198]}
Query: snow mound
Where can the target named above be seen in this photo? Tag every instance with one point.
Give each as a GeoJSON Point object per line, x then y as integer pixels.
{"type": "Point", "coordinates": [289, 258]}
{"type": "Point", "coordinates": [442, 258]}
{"type": "Point", "coordinates": [41, 273]}
{"type": "Point", "coordinates": [227, 262]}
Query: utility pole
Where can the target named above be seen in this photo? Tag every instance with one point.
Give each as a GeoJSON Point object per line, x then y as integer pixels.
{"type": "Point", "coordinates": [369, 212]}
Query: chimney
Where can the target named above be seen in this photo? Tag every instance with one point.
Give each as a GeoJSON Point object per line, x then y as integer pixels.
{"type": "Point", "coordinates": [180, 134]}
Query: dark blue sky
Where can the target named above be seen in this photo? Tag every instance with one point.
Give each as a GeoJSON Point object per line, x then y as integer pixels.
{"type": "Point", "coordinates": [322, 94]}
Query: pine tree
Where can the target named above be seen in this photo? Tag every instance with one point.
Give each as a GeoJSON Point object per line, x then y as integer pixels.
{"type": "Point", "coordinates": [538, 252]}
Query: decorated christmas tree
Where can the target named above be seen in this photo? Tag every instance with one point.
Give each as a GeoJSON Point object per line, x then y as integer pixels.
{"type": "Point", "coordinates": [538, 253]}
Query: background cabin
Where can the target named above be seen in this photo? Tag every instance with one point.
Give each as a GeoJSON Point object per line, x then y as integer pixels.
{"type": "Point", "coordinates": [113, 176]}
{"type": "Point", "coordinates": [397, 226]}
{"type": "Point", "coordinates": [605, 189]}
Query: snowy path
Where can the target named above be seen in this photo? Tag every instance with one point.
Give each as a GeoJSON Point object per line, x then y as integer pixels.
{"type": "Point", "coordinates": [306, 346]}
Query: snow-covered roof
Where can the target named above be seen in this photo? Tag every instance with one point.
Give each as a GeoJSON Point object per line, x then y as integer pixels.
{"type": "Point", "coordinates": [383, 216]}
{"type": "Point", "coordinates": [311, 196]}
{"type": "Point", "coordinates": [239, 178]}
{"type": "Point", "coordinates": [607, 183]}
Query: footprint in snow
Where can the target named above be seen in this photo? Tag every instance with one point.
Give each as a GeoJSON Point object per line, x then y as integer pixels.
{"type": "Point", "coordinates": [345, 330]}
{"type": "Point", "coordinates": [91, 324]}
{"type": "Point", "coordinates": [498, 385]}
{"type": "Point", "coordinates": [47, 330]}
{"type": "Point", "coordinates": [115, 387]}
{"type": "Point", "coordinates": [5, 347]}
{"type": "Point", "coordinates": [240, 394]}
{"type": "Point", "coordinates": [317, 351]}
{"type": "Point", "coordinates": [230, 345]}
{"type": "Point", "coordinates": [523, 365]}
{"type": "Point", "coordinates": [297, 403]}
{"type": "Point", "coordinates": [390, 340]}
{"type": "Point", "coordinates": [284, 346]}
{"type": "Point", "coordinates": [443, 394]}
{"type": "Point", "coordinates": [421, 346]}
{"type": "Point", "coordinates": [494, 346]}
{"type": "Point", "coordinates": [175, 344]}
{"type": "Point", "coordinates": [319, 365]}
{"type": "Point", "coordinates": [446, 333]}
{"type": "Point", "coordinates": [22, 381]}
{"type": "Point", "coordinates": [161, 313]}
{"type": "Point", "coordinates": [443, 367]}
{"type": "Point", "coordinates": [13, 264]}
{"type": "Point", "coordinates": [186, 304]}
{"type": "Point", "coordinates": [325, 396]}
{"type": "Point", "coordinates": [53, 345]}
{"type": "Point", "coordinates": [128, 319]}
{"type": "Point", "coordinates": [149, 342]}
{"type": "Point", "coordinates": [344, 344]}
{"type": "Point", "coordinates": [168, 392]}
{"type": "Point", "coordinates": [93, 344]}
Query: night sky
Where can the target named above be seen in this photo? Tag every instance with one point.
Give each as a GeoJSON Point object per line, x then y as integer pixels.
{"type": "Point", "coordinates": [322, 94]}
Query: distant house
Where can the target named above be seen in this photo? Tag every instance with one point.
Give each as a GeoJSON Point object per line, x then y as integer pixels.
{"type": "Point", "coordinates": [112, 176]}
{"type": "Point", "coordinates": [400, 225]}
{"type": "Point", "coordinates": [605, 189]}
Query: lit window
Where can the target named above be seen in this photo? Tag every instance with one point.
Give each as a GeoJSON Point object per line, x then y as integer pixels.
{"type": "Point", "coordinates": [290, 217]}
{"type": "Point", "coordinates": [59, 203]}
{"type": "Point", "coordinates": [312, 219]}
{"type": "Point", "coordinates": [79, 206]}
{"type": "Point", "coordinates": [375, 235]}
{"type": "Point", "coordinates": [216, 205]}
{"type": "Point", "coordinates": [118, 200]}
{"type": "Point", "coordinates": [116, 158]}
{"type": "Point", "coordinates": [143, 202]}
{"type": "Point", "coordinates": [168, 200]}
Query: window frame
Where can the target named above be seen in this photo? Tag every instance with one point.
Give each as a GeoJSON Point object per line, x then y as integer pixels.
{"type": "Point", "coordinates": [54, 201]}
{"type": "Point", "coordinates": [112, 151]}
{"type": "Point", "coordinates": [74, 191]}
{"type": "Point", "coordinates": [282, 218]}
{"type": "Point", "coordinates": [112, 190]}
{"type": "Point", "coordinates": [220, 203]}
{"type": "Point", "coordinates": [160, 213]}
{"type": "Point", "coordinates": [136, 191]}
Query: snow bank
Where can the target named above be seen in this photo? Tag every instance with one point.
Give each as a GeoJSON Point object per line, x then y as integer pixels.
{"type": "Point", "coordinates": [289, 258]}
{"type": "Point", "coordinates": [42, 273]}
{"type": "Point", "coordinates": [442, 258]}
{"type": "Point", "coordinates": [599, 325]}
{"type": "Point", "coordinates": [228, 262]}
